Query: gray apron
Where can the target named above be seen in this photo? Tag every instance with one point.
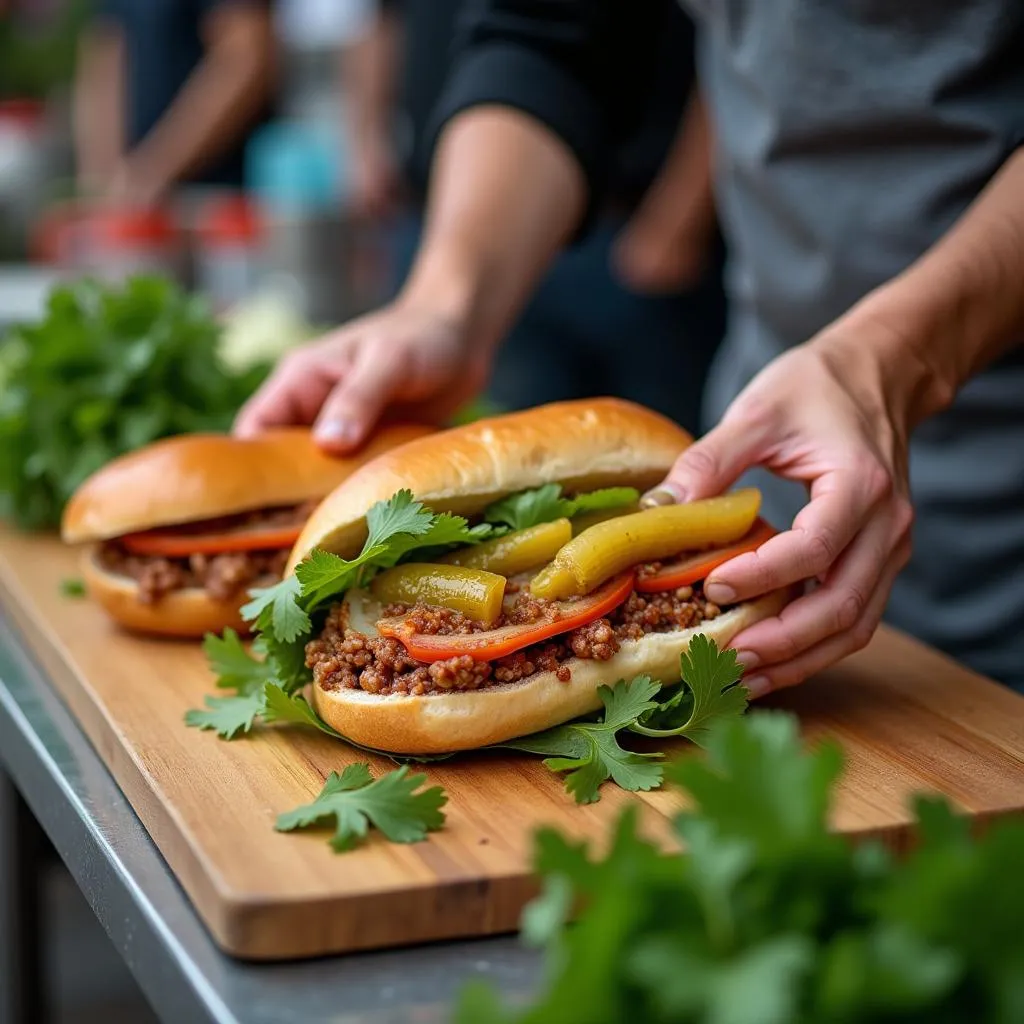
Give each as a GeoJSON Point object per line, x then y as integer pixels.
{"type": "Point", "coordinates": [851, 135]}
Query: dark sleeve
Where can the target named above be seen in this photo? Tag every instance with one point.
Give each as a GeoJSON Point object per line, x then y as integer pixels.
{"type": "Point", "coordinates": [205, 7]}
{"type": "Point", "coordinates": [581, 67]}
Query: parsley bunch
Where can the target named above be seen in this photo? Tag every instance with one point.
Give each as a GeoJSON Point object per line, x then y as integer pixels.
{"type": "Point", "coordinates": [107, 370]}
{"type": "Point", "coordinates": [769, 917]}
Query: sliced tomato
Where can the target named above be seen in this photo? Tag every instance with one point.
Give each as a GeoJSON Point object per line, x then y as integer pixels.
{"type": "Point", "coordinates": [175, 544]}
{"type": "Point", "coordinates": [496, 643]}
{"type": "Point", "coordinates": [691, 569]}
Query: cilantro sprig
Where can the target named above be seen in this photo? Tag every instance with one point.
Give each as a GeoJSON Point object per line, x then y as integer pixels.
{"type": "Point", "coordinates": [590, 751]}
{"type": "Point", "coordinates": [395, 803]}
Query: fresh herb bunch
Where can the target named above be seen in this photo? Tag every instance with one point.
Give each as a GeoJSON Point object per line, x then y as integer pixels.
{"type": "Point", "coordinates": [769, 917]}
{"type": "Point", "coordinates": [107, 370]}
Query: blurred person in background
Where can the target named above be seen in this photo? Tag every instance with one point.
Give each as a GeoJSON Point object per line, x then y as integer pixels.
{"type": "Point", "coordinates": [645, 279]}
{"type": "Point", "coordinates": [869, 171]}
{"type": "Point", "coordinates": [167, 92]}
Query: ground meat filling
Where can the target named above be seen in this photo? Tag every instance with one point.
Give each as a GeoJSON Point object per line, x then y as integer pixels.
{"type": "Point", "coordinates": [223, 576]}
{"type": "Point", "coordinates": [342, 658]}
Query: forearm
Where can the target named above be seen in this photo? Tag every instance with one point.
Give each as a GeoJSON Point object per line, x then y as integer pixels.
{"type": "Point", "coordinates": [98, 104]}
{"type": "Point", "coordinates": [369, 70]}
{"type": "Point", "coordinates": [682, 194]}
{"type": "Point", "coordinates": [217, 102]}
{"type": "Point", "coordinates": [957, 308]}
{"type": "Point", "coordinates": [506, 194]}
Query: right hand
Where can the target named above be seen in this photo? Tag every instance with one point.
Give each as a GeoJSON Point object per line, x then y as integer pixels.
{"type": "Point", "coordinates": [402, 361]}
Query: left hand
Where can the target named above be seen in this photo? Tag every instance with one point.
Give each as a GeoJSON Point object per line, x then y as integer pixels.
{"type": "Point", "coordinates": [821, 414]}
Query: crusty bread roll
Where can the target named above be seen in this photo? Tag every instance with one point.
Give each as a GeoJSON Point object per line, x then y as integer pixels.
{"type": "Point", "coordinates": [191, 478]}
{"type": "Point", "coordinates": [582, 445]}
{"type": "Point", "coordinates": [443, 723]}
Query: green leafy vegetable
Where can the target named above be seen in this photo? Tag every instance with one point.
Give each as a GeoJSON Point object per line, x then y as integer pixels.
{"type": "Point", "coordinates": [710, 691]}
{"type": "Point", "coordinates": [769, 917]}
{"type": "Point", "coordinates": [229, 717]}
{"type": "Point", "coordinates": [393, 803]}
{"type": "Point", "coordinates": [72, 587]}
{"type": "Point", "coordinates": [279, 706]}
{"type": "Point", "coordinates": [235, 667]}
{"type": "Point", "coordinates": [545, 504]}
{"type": "Point", "coordinates": [590, 751]}
{"type": "Point", "coordinates": [107, 370]}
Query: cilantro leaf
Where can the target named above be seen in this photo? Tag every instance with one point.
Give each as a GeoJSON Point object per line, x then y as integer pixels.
{"type": "Point", "coordinates": [709, 691]}
{"type": "Point", "coordinates": [546, 504]}
{"type": "Point", "coordinates": [400, 515]}
{"type": "Point", "coordinates": [235, 668]}
{"type": "Point", "coordinates": [322, 575]}
{"type": "Point", "coordinates": [445, 531]}
{"type": "Point", "coordinates": [280, 706]}
{"type": "Point", "coordinates": [590, 752]}
{"type": "Point", "coordinates": [528, 508]}
{"type": "Point", "coordinates": [354, 800]}
{"type": "Point", "coordinates": [277, 608]}
{"type": "Point", "coordinates": [228, 716]}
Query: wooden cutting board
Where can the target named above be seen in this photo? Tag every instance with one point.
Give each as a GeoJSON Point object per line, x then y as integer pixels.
{"type": "Point", "coordinates": [908, 718]}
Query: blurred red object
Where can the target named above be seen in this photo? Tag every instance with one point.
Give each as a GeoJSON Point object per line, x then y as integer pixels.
{"type": "Point", "coordinates": [27, 114]}
{"type": "Point", "coordinates": [110, 242]}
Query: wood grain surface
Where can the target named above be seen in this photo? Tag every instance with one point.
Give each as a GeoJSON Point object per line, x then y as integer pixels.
{"type": "Point", "coordinates": [909, 720]}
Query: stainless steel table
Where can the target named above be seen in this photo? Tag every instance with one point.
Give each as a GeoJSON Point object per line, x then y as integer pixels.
{"type": "Point", "coordinates": [65, 787]}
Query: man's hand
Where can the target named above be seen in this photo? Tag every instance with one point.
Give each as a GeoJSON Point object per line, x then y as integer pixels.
{"type": "Point", "coordinates": [820, 414]}
{"type": "Point", "coordinates": [405, 359]}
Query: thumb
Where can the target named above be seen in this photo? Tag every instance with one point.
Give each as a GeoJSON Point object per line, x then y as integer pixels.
{"type": "Point", "coordinates": [357, 402]}
{"type": "Point", "coordinates": [709, 466]}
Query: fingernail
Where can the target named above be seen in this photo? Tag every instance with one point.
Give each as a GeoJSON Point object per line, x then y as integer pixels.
{"type": "Point", "coordinates": [719, 593]}
{"type": "Point", "coordinates": [665, 494]}
{"type": "Point", "coordinates": [338, 432]}
{"type": "Point", "coordinates": [747, 660]}
{"type": "Point", "coordinates": [758, 686]}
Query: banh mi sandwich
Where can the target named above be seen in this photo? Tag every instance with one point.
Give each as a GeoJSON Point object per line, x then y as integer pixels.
{"type": "Point", "coordinates": [482, 583]}
{"type": "Point", "coordinates": [180, 530]}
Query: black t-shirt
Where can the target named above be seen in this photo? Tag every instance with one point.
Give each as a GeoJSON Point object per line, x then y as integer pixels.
{"type": "Point", "coordinates": [432, 39]}
{"type": "Point", "coordinates": [163, 43]}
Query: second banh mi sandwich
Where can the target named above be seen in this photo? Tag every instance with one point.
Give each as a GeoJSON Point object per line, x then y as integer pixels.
{"type": "Point", "coordinates": [482, 583]}
{"type": "Point", "coordinates": [180, 530]}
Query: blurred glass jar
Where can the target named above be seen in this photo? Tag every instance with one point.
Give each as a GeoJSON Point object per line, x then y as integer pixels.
{"type": "Point", "coordinates": [110, 243]}
{"type": "Point", "coordinates": [229, 259]}
{"type": "Point", "coordinates": [122, 242]}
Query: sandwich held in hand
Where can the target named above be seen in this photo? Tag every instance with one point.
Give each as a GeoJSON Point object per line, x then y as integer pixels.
{"type": "Point", "coordinates": [484, 583]}
{"type": "Point", "coordinates": [181, 529]}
